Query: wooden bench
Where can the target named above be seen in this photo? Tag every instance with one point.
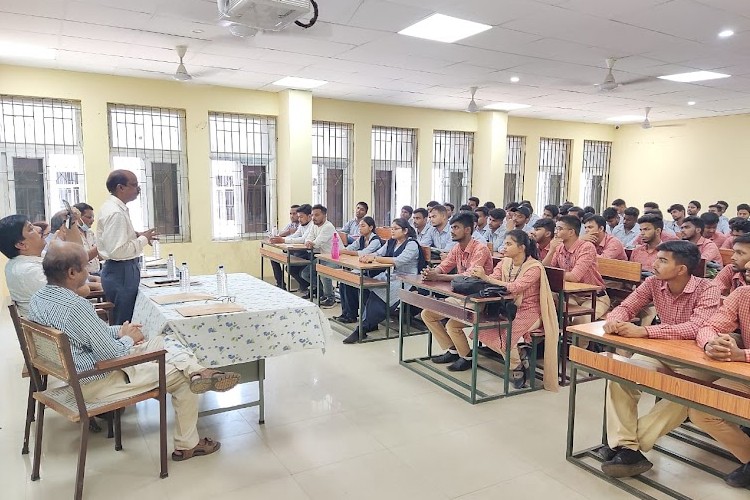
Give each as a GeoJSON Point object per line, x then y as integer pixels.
{"type": "Point", "coordinates": [344, 276]}
{"type": "Point", "coordinates": [282, 258]}
{"type": "Point", "coordinates": [384, 232]}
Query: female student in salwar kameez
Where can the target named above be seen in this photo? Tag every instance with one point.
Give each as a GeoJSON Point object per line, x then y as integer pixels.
{"type": "Point", "coordinates": [526, 280]}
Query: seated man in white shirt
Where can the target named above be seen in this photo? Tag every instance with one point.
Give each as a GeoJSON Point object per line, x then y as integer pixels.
{"type": "Point", "coordinates": [22, 243]}
{"type": "Point", "coordinates": [91, 340]}
{"type": "Point", "coordinates": [320, 240]}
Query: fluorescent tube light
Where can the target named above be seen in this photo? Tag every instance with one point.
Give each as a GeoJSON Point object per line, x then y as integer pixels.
{"type": "Point", "coordinates": [25, 51]}
{"type": "Point", "coordinates": [726, 34]}
{"type": "Point", "coordinates": [292, 82]}
{"type": "Point", "coordinates": [695, 76]}
{"type": "Point", "coordinates": [447, 29]}
{"type": "Point", "coordinates": [506, 106]}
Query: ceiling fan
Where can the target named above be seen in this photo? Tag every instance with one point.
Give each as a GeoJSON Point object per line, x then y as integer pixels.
{"type": "Point", "coordinates": [181, 74]}
{"type": "Point", "coordinates": [610, 83]}
{"type": "Point", "coordinates": [646, 125]}
{"type": "Point", "coordinates": [472, 107]}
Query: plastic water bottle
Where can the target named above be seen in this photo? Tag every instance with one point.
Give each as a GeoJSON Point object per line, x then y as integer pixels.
{"type": "Point", "coordinates": [171, 274]}
{"type": "Point", "coordinates": [142, 265]}
{"type": "Point", "coordinates": [184, 278]}
{"type": "Point", "coordinates": [156, 247]}
{"type": "Point", "coordinates": [335, 250]}
{"type": "Point", "coordinates": [221, 282]}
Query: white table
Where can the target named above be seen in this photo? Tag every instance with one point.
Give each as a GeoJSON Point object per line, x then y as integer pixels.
{"type": "Point", "coordinates": [274, 323]}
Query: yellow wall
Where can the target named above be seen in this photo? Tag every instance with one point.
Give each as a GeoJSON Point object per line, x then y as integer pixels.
{"type": "Point", "coordinates": [704, 159]}
{"type": "Point", "coordinates": [294, 111]}
{"type": "Point", "coordinates": [534, 130]}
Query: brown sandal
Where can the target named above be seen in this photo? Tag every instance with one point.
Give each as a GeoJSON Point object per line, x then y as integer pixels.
{"type": "Point", "coordinates": [213, 380]}
{"type": "Point", "coordinates": [204, 447]}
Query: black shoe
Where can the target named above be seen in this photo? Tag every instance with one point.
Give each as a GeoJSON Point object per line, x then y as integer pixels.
{"type": "Point", "coordinates": [327, 303]}
{"type": "Point", "coordinates": [345, 319]}
{"type": "Point", "coordinates": [305, 294]}
{"type": "Point", "coordinates": [460, 365]}
{"type": "Point", "coordinates": [746, 430]}
{"type": "Point", "coordinates": [354, 337]}
{"type": "Point", "coordinates": [446, 358]}
{"type": "Point", "coordinates": [740, 477]}
{"type": "Point", "coordinates": [606, 453]}
{"type": "Point", "coordinates": [281, 285]}
{"type": "Point", "coordinates": [626, 463]}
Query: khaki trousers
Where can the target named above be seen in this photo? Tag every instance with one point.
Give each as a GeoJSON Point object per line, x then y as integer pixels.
{"type": "Point", "coordinates": [625, 428]}
{"type": "Point", "coordinates": [452, 334]}
{"type": "Point", "coordinates": [726, 433]}
{"type": "Point", "coordinates": [602, 306]}
{"type": "Point", "coordinates": [180, 363]}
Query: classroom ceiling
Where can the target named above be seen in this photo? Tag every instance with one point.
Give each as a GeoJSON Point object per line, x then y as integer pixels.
{"type": "Point", "coordinates": [557, 48]}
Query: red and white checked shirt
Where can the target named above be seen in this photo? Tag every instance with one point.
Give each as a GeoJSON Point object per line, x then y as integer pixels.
{"type": "Point", "coordinates": [580, 261]}
{"type": "Point", "coordinates": [475, 254]}
{"type": "Point", "coordinates": [728, 280]}
{"type": "Point", "coordinates": [543, 251]}
{"type": "Point", "coordinates": [719, 238]}
{"type": "Point", "coordinates": [728, 243]}
{"type": "Point", "coordinates": [733, 314]}
{"type": "Point", "coordinates": [665, 236]}
{"type": "Point", "coordinates": [611, 248]}
{"type": "Point", "coordinates": [709, 250]}
{"type": "Point", "coordinates": [645, 256]}
{"type": "Point", "coordinates": [680, 316]}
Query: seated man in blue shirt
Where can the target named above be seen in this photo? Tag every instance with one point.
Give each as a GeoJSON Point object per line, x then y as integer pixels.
{"type": "Point", "coordinates": [92, 340]}
{"type": "Point", "coordinates": [351, 228]}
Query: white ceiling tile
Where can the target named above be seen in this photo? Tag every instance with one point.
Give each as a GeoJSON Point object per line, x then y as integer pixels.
{"type": "Point", "coordinates": [54, 9]}
{"type": "Point", "coordinates": [387, 16]}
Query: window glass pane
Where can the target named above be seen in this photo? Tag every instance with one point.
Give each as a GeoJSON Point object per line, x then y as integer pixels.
{"type": "Point", "coordinates": [332, 168]}
{"type": "Point", "coordinates": [394, 150]}
{"type": "Point", "coordinates": [554, 156]}
{"type": "Point", "coordinates": [514, 169]}
{"type": "Point", "coordinates": [452, 166]}
{"type": "Point", "coordinates": [29, 187]}
{"type": "Point", "coordinates": [595, 173]}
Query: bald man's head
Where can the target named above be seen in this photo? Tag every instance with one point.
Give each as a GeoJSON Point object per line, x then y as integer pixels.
{"type": "Point", "coordinates": [65, 264]}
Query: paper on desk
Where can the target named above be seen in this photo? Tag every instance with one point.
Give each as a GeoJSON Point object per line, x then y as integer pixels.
{"type": "Point", "coordinates": [176, 298]}
{"type": "Point", "coordinates": [153, 284]}
{"type": "Point", "coordinates": [209, 309]}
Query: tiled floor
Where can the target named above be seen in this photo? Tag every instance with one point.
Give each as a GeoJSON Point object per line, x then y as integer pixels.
{"type": "Point", "coordinates": [347, 424]}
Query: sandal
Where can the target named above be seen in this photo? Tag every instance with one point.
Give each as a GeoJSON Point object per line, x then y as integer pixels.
{"type": "Point", "coordinates": [204, 447]}
{"type": "Point", "coordinates": [213, 380]}
{"type": "Point", "coordinates": [518, 377]}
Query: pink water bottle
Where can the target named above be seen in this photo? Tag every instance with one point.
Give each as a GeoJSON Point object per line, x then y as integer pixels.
{"type": "Point", "coordinates": [335, 252]}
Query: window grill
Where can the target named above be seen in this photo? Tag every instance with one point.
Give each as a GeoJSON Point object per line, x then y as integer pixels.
{"type": "Point", "coordinates": [554, 158]}
{"type": "Point", "coordinates": [595, 175]}
{"type": "Point", "coordinates": [41, 156]}
{"type": "Point", "coordinates": [243, 174]}
{"type": "Point", "coordinates": [332, 157]}
{"type": "Point", "coordinates": [452, 166]}
{"type": "Point", "coordinates": [514, 169]}
{"type": "Point", "coordinates": [394, 171]}
{"type": "Point", "coordinates": [150, 142]}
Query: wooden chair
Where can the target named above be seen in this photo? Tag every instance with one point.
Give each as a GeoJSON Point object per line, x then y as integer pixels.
{"type": "Point", "coordinates": [426, 253]}
{"type": "Point", "coordinates": [49, 352]}
{"type": "Point", "coordinates": [726, 255]}
{"type": "Point", "coordinates": [383, 232]}
{"type": "Point", "coordinates": [344, 238]}
{"type": "Point", "coordinates": [622, 271]}
{"type": "Point", "coordinates": [700, 269]}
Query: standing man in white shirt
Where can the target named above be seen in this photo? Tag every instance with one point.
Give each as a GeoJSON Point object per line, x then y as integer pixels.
{"type": "Point", "coordinates": [120, 244]}
{"type": "Point", "coordinates": [320, 240]}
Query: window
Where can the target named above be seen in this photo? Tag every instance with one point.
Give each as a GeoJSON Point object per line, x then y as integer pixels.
{"type": "Point", "coordinates": [41, 157]}
{"type": "Point", "coordinates": [332, 156]}
{"type": "Point", "coordinates": [451, 167]}
{"type": "Point", "coordinates": [514, 165]}
{"type": "Point", "coordinates": [243, 174]}
{"type": "Point", "coordinates": [394, 171]}
{"type": "Point", "coordinates": [595, 175]}
{"type": "Point", "coordinates": [554, 157]}
{"type": "Point", "coordinates": [150, 142]}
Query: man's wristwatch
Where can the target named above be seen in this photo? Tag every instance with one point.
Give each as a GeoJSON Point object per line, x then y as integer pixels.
{"type": "Point", "coordinates": [704, 347]}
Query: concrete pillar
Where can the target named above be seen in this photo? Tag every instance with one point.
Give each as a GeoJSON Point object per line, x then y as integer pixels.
{"type": "Point", "coordinates": [490, 155]}
{"type": "Point", "coordinates": [294, 150]}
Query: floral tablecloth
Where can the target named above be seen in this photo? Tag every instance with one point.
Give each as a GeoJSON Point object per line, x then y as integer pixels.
{"type": "Point", "coordinates": [275, 322]}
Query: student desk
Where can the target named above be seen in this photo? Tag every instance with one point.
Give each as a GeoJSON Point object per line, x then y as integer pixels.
{"type": "Point", "coordinates": [472, 315]}
{"type": "Point", "coordinates": [663, 384]}
{"type": "Point", "coordinates": [282, 254]}
{"type": "Point", "coordinates": [332, 268]}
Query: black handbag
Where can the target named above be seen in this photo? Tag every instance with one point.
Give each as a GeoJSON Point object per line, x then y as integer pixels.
{"type": "Point", "coordinates": [468, 285]}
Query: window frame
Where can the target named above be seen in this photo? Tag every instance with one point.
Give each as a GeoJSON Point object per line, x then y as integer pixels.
{"type": "Point", "coordinates": [147, 158]}
{"type": "Point", "coordinates": [554, 148]}
{"type": "Point", "coordinates": [514, 168]}
{"type": "Point", "coordinates": [443, 166]}
{"type": "Point", "coordinates": [412, 160]}
{"type": "Point", "coordinates": [241, 162]}
{"type": "Point", "coordinates": [595, 152]}
{"type": "Point", "coordinates": [328, 162]}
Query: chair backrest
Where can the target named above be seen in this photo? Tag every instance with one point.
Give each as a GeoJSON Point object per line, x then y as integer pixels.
{"type": "Point", "coordinates": [49, 351]}
{"type": "Point", "coordinates": [16, 319]}
{"type": "Point", "coordinates": [427, 253]}
{"type": "Point", "coordinates": [628, 253]}
{"type": "Point", "coordinates": [620, 270]}
{"type": "Point", "coordinates": [726, 255]}
{"type": "Point", "coordinates": [700, 269]}
{"type": "Point", "coordinates": [383, 232]}
{"type": "Point", "coordinates": [556, 278]}
{"type": "Point", "coordinates": [344, 238]}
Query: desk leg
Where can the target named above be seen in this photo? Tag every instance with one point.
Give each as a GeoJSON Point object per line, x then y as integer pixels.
{"type": "Point", "coordinates": [361, 300]}
{"type": "Point", "coordinates": [261, 393]}
{"type": "Point", "coordinates": [262, 262]}
{"type": "Point", "coordinates": [475, 354]}
{"type": "Point", "coordinates": [388, 304]}
{"type": "Point", "coordinates": [400, 331]}
{"type": "Point", "coordinates": [571, 412]}
{"type": "Point", "coordinates": [507, 368]}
